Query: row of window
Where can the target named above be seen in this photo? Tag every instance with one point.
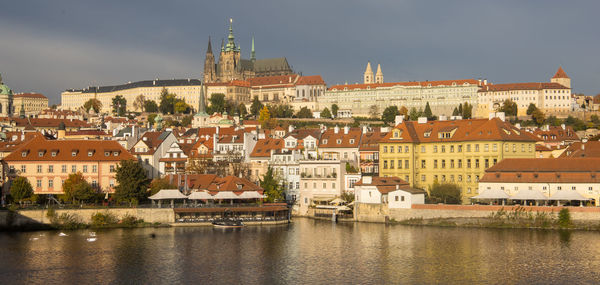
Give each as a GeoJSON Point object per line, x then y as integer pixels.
{"type": "Point", "coordinates": [94, 183]}
{"type": "Point", "coordinates": [314, 185]}
{"type": "Point", "coordinates": [450, 178]}
{"type": "Point", "coordinates": [391, 164]}
{"type": "Point", "coordinates": [50, 168]}
{"type": "Point", "coordinates": [459, 148]}
{"type": "Point", "coordinates": [545, 188]}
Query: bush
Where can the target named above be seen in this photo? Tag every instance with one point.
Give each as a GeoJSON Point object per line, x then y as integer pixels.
{"type": "Point", "coordinates": [564, 218]}
{"type": "Point", "coordinates": [68, 222]}
{"type": "Point", "coordinates": [129, 220]}
{"type": "Point", "coordinates": [446, 193]}
{"type": "Point", "coordinates": [103, 219]}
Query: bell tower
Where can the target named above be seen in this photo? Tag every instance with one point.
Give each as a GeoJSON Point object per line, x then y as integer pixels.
{"type": "Point", "coordinates": [368, 75]}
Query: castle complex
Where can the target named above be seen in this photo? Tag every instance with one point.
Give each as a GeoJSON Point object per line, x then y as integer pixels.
{"type": "Point", "coordinates": [231, 66]}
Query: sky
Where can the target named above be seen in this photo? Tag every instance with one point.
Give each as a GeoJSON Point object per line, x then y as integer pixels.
{"type": "Point", "coordinates": [51, 46]}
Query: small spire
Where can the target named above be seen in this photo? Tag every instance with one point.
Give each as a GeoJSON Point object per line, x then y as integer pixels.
{"type": "Point", "coordinates": [253, 54]}
{"type": "Point", "coordinates": [222, 45]}
{"type": "Point", "coordinates": [209, 50]}
{"type": "Point", "coordinates": [560, 73]}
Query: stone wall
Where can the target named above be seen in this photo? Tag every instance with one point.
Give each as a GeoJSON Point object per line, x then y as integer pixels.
{"type": "Point", "coordinates": [378, 212]}
{"type": "Point", "coordinates": [25, 217]}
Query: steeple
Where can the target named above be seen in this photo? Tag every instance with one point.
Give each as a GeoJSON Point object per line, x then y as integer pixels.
{"type": "Point", "coordinates": [230, 38]}
{"type": "Point", "coordinates": [222, 45]}
{"type": "Point", "coordinates": [379, 74]}
{"type": "Point", "coordinates": [253, 54]}
{"type": "Point", "coordinates": [561, 78]}
{"type": "Point", "coordinates": [202, 106]}
{"type": "Point", "coordinates": [209, 50]}
{"type": "Point", "coordinates": [368, 75]}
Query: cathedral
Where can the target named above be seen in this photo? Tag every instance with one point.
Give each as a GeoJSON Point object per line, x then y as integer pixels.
{"type": "Point", "coordinates": [231, 66]}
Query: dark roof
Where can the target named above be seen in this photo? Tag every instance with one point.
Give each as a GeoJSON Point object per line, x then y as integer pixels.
{"type": "Point", "coordinates": [271, 64]}
{"type": "Point", "coordinates": [145, 83]}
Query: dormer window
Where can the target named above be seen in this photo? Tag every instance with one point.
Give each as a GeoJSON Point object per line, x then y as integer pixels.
{"type": "Point", "coordinates": [339, 141]}
{"type": "Point", "coordinates": [90, 152]}
{"type": "Point", "coordinates": [41, 153]}
{"type": "Point", "coordinates": [116, 153]}
{"type": "Point", "coordinates": [351, 141]}
{"type": "Point", "coordinates": [74, 152]}
{"type": "Point", "coordinates": [24, 154]}
{"type": "Point", "coordinates": [325, 141]}
{"type": "Point", "coordinates": [239, 186]}
{"type": "Point", "coordinates": [106, 153]}
{"type": "Point", "coordinates": [54, 153]}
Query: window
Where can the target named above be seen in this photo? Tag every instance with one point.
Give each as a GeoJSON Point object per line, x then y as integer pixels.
{"type": "Point", "coordinates": [406, 178]}
{"type": "Point", "coordinates": [333, 185]}
{"type": "Point", "coordinates": [476, 147]}
{"type": "Point", "coordinates": [477, 163]}
{"type": "Point", "coordinates": [401, 198]}
{"type": "Point", "coordinates": [73, 168]}
{"type": "Point", "coordinates": [443, 178]}
{"type": "Point", "coordinates": [495, 161]}
{"type": "Point", "coordinates": [422, 149]}
{"type": "Point", "coordinates": [494, 147]}
{"type": "Point", "coordinates": [63, 169]}
{"type": "Point", "coordinates": [435, 163]}
{"type": "Point", "coordinates": [459, 178]}
{"type": "Point", "coordinates": [297, 185]}
{"type": "Point", "coordinates": [435, 178]}
{"type": "Point", "coordinates": [460, 163]}
{"type": "Point", "coordinates": [94, 168]}
{"type": "Point", "coordinates": [385, 149]}
{"type": "Point", "coordinates": [39, 183]}
{"type": "Point", "coordinates": [50, 183]}
{"type": "Point", "coordinates": [559, 188]}
{"type": "Point", "coordinates": [324, 185]}
{"type": "Point", "coordinates": [406, 164]}
{"type": "Point", "coordinates": [23, 168]}
{"type": "Point", "coordinates": [443, 163]}
{"type": "Point", "coordinates": [396, 198]}
{"type": "Point", "coordinates": [406, 149]}
{"type": "Point", "coordinates": [423, 177]}
{"type": "Point", "coordinates": [451, 163]}
{"type": "Point", "coordinates": [435, 148]}
{"type": "Point", "coordinates": [486, 147]}
{"type": "Point", "coordinates": [392, 164]}
{"type": "Point", "coordinates": [112, 169]}
{"type": "Point", "coordinates": [476, 178]}
{"type": "Point", "coordinates": [392, 149]}
{"type": "Point", "coordinates": [50, 168]}
{"type": "Point", "coordinates": [468, 178]}
{"type": "Point", "coordinates": [443, 148]}
{"type": "Point", "coordinates": [94, 183]}
{"type": "Point", "coordinates": [506, 147]}
{"type": "Point", "coordinates": [385, 164]}
{"type": "Point", "coordinates": [399, 164]}
{"type": "Point", "coordinates": [39, 169]}
{"type": "Point", "coordinates": [111, 183]}
{"type": "Point", "coordinates": [451, 148]}
{"type": "Point", "coordinates": [423, 164]}
{"type": "Point", "coordinates": [399, 149]}
{"type": "Point", "coordinates": [85, 169]}
{"type": "Point", "coordinates": [514, 147]}
{"type": "Point", "coordinates": [573, 187]}
{"type": "Point", "coordinates": [487, 163]}
{"type": "Point", "coordinates": [459, 148]}
{"type": "Point", "coordinates": [468, 148]}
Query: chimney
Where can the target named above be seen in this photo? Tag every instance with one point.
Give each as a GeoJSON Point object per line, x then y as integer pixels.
{"type": "Point", "coordinates": [367, 180]}
{"type": "Point", "coordinates": [422, 120]}
{"type": "Point", "coordinates": [336, 129]}
{"type": "Point", "coordinates": [290, 128]}
{"type": "Point", "coordinates": [562, 126]}
{"type": "Point", "coordinates": [346, 130]}
{"type": "Point", "coordinates": [485, 82]}
{"type": "Point", "coordinates": [398, 120]}
{"type": "Point", "coordinates": [442, 118]}
{"type": "Point", "coordinates": [364, 129]}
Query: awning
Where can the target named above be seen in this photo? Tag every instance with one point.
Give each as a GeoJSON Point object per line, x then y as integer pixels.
{"type": "Point", "coordinates": [322, 198]}
{"type": "Point", "coordinates": [567, 195]}
{"type": "Point", "coordinates": [529, 195]}
{"type": "Point", "coordinates": [251, 195]}
{"type": "Point", "coordinates": [344, 208]}
{"type": "Point", "coordinates": [200, 195]}
{"type": "Point", "coordinates": [168, 195]}
{"type": "Point", "coordinates": [226, 195]}
{"type": "Point", "coordinates": [492, 194]}
{"type": "Point", "coordinates": [337, 201]}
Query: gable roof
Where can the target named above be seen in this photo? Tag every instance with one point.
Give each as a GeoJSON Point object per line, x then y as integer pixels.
{"type": "Point", "coordinates": [264, 147]}
{"type": "Point", "coordinates": [278, 80]}
{"type": "Point", "coordinates": [556, 134]}
{"type": "Point", "coordinates": [544, 170]}
{"type": "Point", "coordinates": [271, 64]}
{"type": "Point", "coordinates": [330, 139]}
{"type": "Point", "coordinates": [560, 73]}
{"type": "Point", "coordinates": [30, 95]}
{"type": "Point", "coordinates": [152, 140]}
{"type": "Point", "coordinates": [41, 149]}
{"type": "Point", "coordinates": [310, 80]}
{"type": "Point", "coordinates": [389, 184]}
{"type": "Point", "coordinates": [579, 149]}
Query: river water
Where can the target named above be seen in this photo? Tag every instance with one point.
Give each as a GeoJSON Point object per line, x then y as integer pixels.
{"type": "Point", "coordinates": [304, 252]}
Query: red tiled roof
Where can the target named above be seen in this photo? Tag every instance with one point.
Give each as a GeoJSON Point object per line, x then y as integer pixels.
{"type": "Point", "coordinates": [459, 82]}
{"type": "Point", "coordinates": [579, 149]}
{"type": "Point", "coordinates": [466, 130]}
{"type": "Point", "coordinates": [310, 80]}
{"type": "Point", "coordinates": [279, 80]}
{"type": "Point", "coordinates": [59, 150]}
{"type": "Point", "coordinates": [329, 139]}
{"type": "Point", "coordinates": [370, 140]}
{"type": "Point", "coordinates": [521, 86]}
{"type": "Point", "coordinates": [263, 147]}
{"type": "Point", "coordinates": [230, 183]}
{"type": "Point", "coordinates": [556, 134]}
{"type": "Point", "coordinates": [30, 95]}
{"type": "Point", "coordinates": [151, 139]}
{"type": "Point", "coordinates": [46, 123]}
{"type": "Point", "coordinates": [560, 73]}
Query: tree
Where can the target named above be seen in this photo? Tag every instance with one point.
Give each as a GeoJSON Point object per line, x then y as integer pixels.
{"type": "Point", "coordinates": [264, 114]}
{"type": "Point", "coordinates": [467, 110]}
{"type": "Point", "coordinates": [595, 119]}
{"type": "Point", "coordinates": [93, 103]}
{"type": "Point", "coordinates": [538, 117]}
{"type": "Point", "coordinates": [187, 120]}
{"type": "Point", "coordinates": [138, 103]}
{"type": "Point", "coordinates": [403, 111]}
{"type": "Point", "coordinates": [151, 118]}
{"type": "Point", "coordinates": [271, 187]}
{"type": "Point", "coordinates": [427, 112]}
{"type": "Point", "coordinates": [21, 189]}
{"type": "Point", "coordinates": [77, 190]}
{"type": "Point", "coordinates": [553, 121]}
{"type": "Point", "coordinates": [334, 110]}
{"type": "Point", "coordinates": [389, 114]}
{"type": "Point", "coordinates": [119, 105]}
{"type": "Point", "coordinates": [150, 106]}
{"type": "Point", "coordinates": [217, 103]}
{"type": "Point", "coordinates": [132, 180]}
{"type": "Point", "coordinates": [181, 107]}
{"type": "Point", "coordinates": [460, 109]}
{"type": "Point", "coordinates": [509, 108]}
{"type": "Point", "coordinates": [281, 111]}
{"type": "Point", "coordinates": [160, 184]}
{"type": "Point", "coordinates": [374, 111]}
{"type": "Point", "coordinates": [446, 193]}
{"type": "Point", "coordinates": [414, 114]}
{"type": "Point", "coordinates": [241, 110]}
{"type": "Point", "coordinates": [325, 113]}
{"type": "Point", "coordinates": [256, 106]}
{"type": "Point", "coordinates": [455, 112]}
{"type": "Point", "coordinates": [304, 112]}
{"type": "Point", "coordinates": [167, 102]}
{"type": "Point", "coordinates": [531, 108]}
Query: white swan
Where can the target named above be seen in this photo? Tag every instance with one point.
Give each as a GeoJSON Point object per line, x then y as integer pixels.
{"type": "Point", "coordinates": [91, 239]}
{"type": "Point", "coordinates": [62, 235]}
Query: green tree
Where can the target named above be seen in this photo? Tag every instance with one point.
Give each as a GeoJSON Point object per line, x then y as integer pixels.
{"type": "Point", "coordinates": [256, 106]}
{"type": "Point", "coordinates": [77, 190]}
{"type": "Point", "coordinates": [93, 103]}
{"type": "Point", "coordinates": [595, 119]}
{"type": "Point", "coordinates": [538, 117]}
{"type": "Point", "coordinates": [564, 218]}
{"type": "Point", "coordinates": [467, 110]}
{"type": "Point", "coordinates": [133, 182]}
{"type": "Point", "coordinates": [20, 189]}
{"type": "Point", "coordinates": [281, 111]}
{"type": "Point", "coordinates": [509, 108]}
{"type": "Point", "coordinates": [241, 110]}
{"type": "Point", "coordinates": [460, 109]}
{"type": "Point", "coordinates": [390, 113]}
{"type": "Point", "coordinates": [151, 118]}
{"type": "Point", "coordinates": [446, 193]}
{"type": "Point", "coordinates": [160, 184]}
{"type": "Point", "coordinates": [553, 121]}
{"type": "Point", "coordinates": [326, 113]}
{"type": "Point", "coordinates": [455, 112]}
{"type": "Point", "coordinates": [167, 102]}
{"type": "Point", "coordinates": [181, 107]}
{"type": "Point", "coordinates": [334, 110]}
{"type": "Point", "coordinates": [187, 120]}
{"type": "Point", "coordinates": [414, 114]}
{"type": "Point", "coordinates": [304, 112]}
{"type": "Point", "coordinates": [150, 106]}
{"type": "Point", "coordinates": [531, 108]}
{"type": "Point", "coordinates": [217, 103]}
{"type": "Point", "coordinates": [271, 187]}
{"type": "Point", "coordinates": [427, 112]}
{"type": "Point", "coordinates": [119, 105]}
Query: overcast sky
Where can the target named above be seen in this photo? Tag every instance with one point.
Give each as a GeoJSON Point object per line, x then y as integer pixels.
{"type": "Point", "coordinates": [49, 46]}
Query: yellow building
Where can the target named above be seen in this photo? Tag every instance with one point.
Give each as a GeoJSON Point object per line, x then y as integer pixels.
{"type": "Point", "coordinates": [32, 103]}
{"type": "Point", "coordinates": [450, 151]}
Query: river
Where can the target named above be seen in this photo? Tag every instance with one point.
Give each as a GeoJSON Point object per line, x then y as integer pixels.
{"type": "Point", "coordinates": [304, 252]}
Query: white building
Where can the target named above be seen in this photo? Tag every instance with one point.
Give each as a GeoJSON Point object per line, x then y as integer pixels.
{"type": "Point", "coordinates": [150, 148]}
{"type": "Point", "coordinates": [391, 191]}
{"type": "Point", "coordinates": [320, 180]}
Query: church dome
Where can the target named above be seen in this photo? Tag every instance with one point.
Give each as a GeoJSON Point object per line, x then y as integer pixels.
{"type": "Point", "coordinates": [4, 90]}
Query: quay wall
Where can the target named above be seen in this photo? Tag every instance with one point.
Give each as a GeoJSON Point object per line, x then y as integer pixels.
{"type": "Point", "coordinates": [39, 216]}
{"type": "Point", "coordinates": [379, 213]}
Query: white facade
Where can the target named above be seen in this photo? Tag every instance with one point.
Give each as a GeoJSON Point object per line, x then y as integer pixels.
{"type": "Point", "coordinates": [588, 190]}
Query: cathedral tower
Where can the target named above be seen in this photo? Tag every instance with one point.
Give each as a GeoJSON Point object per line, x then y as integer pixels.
{"type": "Point", "coordinates": [379, 74]}
{"type": "Point", "coordinates": [368, 74]}
{"type": "Point", "coordinates": [210, 72]}
{"type": "Point", "coordinates": [229, 60]}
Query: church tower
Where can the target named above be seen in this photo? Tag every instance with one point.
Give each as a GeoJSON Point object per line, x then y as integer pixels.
{"type": "Point", "coordinates": [229, 61]}
{"type": "Point", "coordinates": [368, 74]}
{"type": "Point", "coordinates": [210, 72]}
{"type": "Point", "coordinates": [379, 74]}
{"type": "Point", "coordinates": [561, 78]}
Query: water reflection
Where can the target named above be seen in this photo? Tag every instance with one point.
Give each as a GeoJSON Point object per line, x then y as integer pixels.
{"type": "Point", "coordinates": [307, 251]}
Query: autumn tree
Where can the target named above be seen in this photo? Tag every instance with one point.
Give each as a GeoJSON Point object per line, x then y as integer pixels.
{"type": "Point", "coordinates": [374, 111]}
{"type": "Point", "coordinates": [167, 102]}
{"type": "Point", "coordinates": [93, 103]}
{"type": "Point", "coordinates": [531, 108]}
{"type": "Point", "coordinates": [326, 113]}
{"type": "Point", "coordinates": [160, 184]}
{"type": "Point", "coordinates": [390, 113]}
{"type": "Point", "coordinates": [77, 190]}
{"type": "Point", "coordinates": [509, 108]}
{"type": "Point", "coordinates": [138, 102]}
{"type": "Point", "coordinates": [538, 117]}
{"type": "Point", "coordinates": [21, 189]}
{"type": "Point", "coordinates": [403, 111]}
{"type": "Point", "coordinates": [446, 193]}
